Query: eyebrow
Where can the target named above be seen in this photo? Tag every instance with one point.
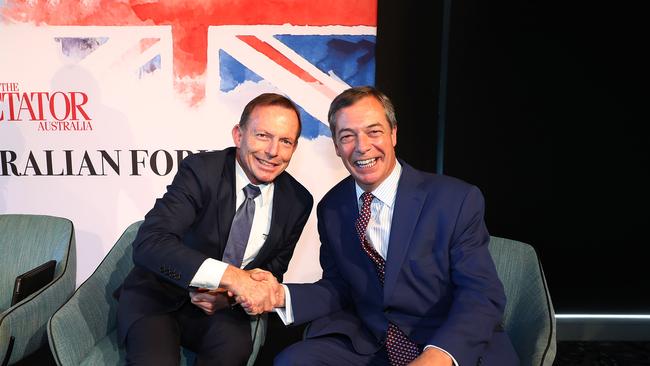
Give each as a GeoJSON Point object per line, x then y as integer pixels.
{"type": "Point", "coordinates": [376, 124]}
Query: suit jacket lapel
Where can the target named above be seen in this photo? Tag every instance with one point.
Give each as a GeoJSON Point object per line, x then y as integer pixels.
{"type": "Point", "coordinates": [408, 205]}
{"type": "Point", "coordinates": [226, 198]}
{"type": "Point", "coordinates": [348, 239]}
{"type": "Point", "coordinates": [349, 211]}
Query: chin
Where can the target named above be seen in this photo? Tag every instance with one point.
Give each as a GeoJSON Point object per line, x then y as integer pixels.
{"type": "Point", "coordinates": [266, 178]}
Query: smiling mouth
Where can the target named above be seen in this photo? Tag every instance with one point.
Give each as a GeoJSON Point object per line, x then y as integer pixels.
{"type": "Point", "coordinates": [266, 163]}
{"type": "Point", "coordinates": [368, 163]}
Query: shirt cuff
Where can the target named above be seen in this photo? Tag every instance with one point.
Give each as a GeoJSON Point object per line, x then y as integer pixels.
{"type": "Point", "coordinates": [448, 354]}
{"type": "Point", "coordinates": [286, 313]}
{"type": "Point", "coordinates": [209, 274]}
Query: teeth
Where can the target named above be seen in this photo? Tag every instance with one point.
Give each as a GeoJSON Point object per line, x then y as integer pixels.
{"type": "Point", "coordinates": [264, 162]}
{"type": "Point", "coordinates": [366, 163]}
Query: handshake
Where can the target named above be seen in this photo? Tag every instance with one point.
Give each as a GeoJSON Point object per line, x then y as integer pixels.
{"type": "Point", "coordinates": [256, 290]}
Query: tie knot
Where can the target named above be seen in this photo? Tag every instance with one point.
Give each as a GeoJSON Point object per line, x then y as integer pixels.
{"type": "Point", "coordinates": [251, 191]}
{"type": "Point", "coordinates": [366, 198]}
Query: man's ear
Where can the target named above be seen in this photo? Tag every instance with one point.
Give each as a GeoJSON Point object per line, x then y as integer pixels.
{"type": "Point", "coordinates": [236, 135]}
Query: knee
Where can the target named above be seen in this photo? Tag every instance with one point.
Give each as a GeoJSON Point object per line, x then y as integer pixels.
{"type": "Point", "coordinates": [240, 352]}
{"type": "Point", "coordinates": [228, 352]}
{"type": "Point", "coordinates": [282, 359]}
{"type": "Point", "coordinates": [293, 355]}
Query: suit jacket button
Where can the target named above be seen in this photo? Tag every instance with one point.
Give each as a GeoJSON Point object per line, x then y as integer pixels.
{"type": "Point", "coordinates": [480, 361]}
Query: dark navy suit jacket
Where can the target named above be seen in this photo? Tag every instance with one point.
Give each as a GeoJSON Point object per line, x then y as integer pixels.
{"type": "Point", "coordinates": [191, 223]}
{"type": "Point", "coordinates": [441, 287]}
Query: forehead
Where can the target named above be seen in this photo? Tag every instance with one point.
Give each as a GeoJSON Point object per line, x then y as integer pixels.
{"type": "Point", "coordinates": [365, 112]}
{"type": "Point", "coordinates": [273, 117]}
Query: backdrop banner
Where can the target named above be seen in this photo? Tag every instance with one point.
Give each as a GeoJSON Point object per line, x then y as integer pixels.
{"type": "Point", "coordinates": [100, 100]}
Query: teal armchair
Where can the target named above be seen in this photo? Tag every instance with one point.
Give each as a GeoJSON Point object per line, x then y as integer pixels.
{"type": "Point", "coordinates": [84, 330]}
{"type": "Point", "coordinates": [27, 241]}
{"type": "Point", "coordinates": [529, 318]}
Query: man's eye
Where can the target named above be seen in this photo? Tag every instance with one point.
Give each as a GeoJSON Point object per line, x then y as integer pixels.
{"type": "Point", "coordinates": [345, 138]}
{"type": "Point", "coordinates": [287, 142]}
{"type": "Point", "coordinates": [375, 133]}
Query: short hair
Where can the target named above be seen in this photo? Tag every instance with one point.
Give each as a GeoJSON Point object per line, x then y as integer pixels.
{"type": "Point", "coordinates": [268, 99]}
{"type": "Point", "coordinates": [353, 95]}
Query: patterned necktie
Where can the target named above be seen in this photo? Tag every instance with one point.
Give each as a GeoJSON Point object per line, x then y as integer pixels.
{"type": "Point", "coordinates": [401, 350]}
{"type": "Point", "coordinates": [240, 229]}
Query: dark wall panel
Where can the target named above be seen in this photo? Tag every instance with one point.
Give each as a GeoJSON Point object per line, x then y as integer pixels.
{"type": "Point", "coordinates": [543, 115]}
{"type": "Point", "coordinates": [408, 68]}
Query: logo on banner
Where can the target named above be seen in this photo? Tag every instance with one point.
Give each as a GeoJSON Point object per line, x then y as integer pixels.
{"type": "Point", "coordinates": [60, 110]}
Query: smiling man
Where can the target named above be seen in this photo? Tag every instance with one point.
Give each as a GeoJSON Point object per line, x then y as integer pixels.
{"type": "Point", "coordinates": [407, 276]}
{"type": "Point", "coordinates": [226, 214]}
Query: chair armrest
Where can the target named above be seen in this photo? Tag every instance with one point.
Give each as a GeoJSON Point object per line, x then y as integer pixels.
{"type": "Point", "coordinates": [26, 321]}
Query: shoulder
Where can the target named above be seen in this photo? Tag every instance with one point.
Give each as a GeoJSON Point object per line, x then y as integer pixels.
{"type": "Point", "coordinates": [288, 185]}
{"type": "Point", "coordinates": [206, 167]}
{"type": "Point", "coordinates": [209, 159]}
{"type": "Point", "coordinates": [338, 194]}
{"type": "Point", "coordinates": [436, 186]}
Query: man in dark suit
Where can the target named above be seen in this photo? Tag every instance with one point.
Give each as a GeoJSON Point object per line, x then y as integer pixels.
{"type": "Point", "coordinates": [407, 276]}
{"type": "Point", "coordinates": [193, 250]}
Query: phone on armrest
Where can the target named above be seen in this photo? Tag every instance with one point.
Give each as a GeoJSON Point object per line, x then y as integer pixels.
{"type": "Point", "coordinates": [32, 281]}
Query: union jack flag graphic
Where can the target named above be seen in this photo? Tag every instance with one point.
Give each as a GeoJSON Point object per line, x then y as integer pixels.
{"type": "Point", "coordinates": [310, 65]}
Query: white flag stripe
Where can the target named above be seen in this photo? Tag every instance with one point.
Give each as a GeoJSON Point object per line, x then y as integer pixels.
{"type": "Point", "coordinates": [309, 98]}
{"type": "Point", "coordinates": [336, 85]}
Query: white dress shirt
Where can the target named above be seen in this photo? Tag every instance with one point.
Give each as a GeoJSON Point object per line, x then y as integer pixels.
{"type": "Point", "coordinates": [211, 270]}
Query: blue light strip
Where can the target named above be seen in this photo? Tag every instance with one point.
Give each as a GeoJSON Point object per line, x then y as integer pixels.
{"type": "Point", "coordinates": [603, 316]}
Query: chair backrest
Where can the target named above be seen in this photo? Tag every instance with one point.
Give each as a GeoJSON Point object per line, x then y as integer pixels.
{"type": "Point", "coordinates": [108, 276]}
{"type": "Point", "coordinates": [27, 241]}
{"type": "Point", "coordinates": [529, 317]}
{"type": "Point", "coordinates": [91, 313]}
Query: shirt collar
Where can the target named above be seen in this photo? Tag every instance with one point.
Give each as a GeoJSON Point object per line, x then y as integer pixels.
{"type": "Point", "coordinates": [241, 181]}
{"type": "Point", "coordinates": [387, 190]}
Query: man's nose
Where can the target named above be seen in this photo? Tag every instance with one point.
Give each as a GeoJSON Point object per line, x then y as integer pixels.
{"type": "Point", "coordinates": [363, 143]}
{"type": "Point", "coordinates": [272, 148]}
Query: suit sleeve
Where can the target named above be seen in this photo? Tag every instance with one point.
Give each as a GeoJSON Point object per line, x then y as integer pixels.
{"type": "Point", "coordinates": [478, 300]}
{"type": "Point", "coordinates": [327, 295]}
{"type": "Point", "coordinates": [158, 246]}
{"type": "Point", "coordinates": [280, 261]}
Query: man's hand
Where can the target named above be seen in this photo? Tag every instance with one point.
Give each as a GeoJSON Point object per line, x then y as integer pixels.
{"type": "Point", "coordinates": [258, 296]}
{"type": "Point", "coordinates": [270, 280]}
{"type": "Point", "coordinates": [211, 300]}
{"type": "Point", "coordinates": [432, 357]}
